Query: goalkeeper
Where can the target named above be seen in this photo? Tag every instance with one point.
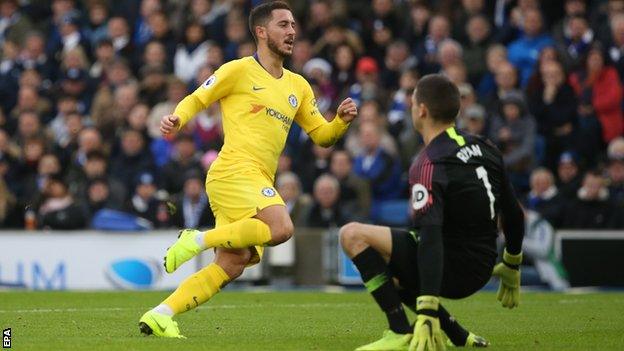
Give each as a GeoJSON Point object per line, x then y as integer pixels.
{"type": "Point", "coordinates": [459, 192]}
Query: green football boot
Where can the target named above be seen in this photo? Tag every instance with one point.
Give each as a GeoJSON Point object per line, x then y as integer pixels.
{"type": "Point", "coordinates": [472, 341]}
{"type": "Point", "coordinates": [183, 250]}
{"type": "Point", "coordinates": [153, 323]}
{"type": "Point", "coordinates": [390, 341]}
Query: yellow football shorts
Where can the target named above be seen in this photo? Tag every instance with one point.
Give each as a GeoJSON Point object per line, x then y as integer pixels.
{"type": "Point", "coordinates": [241, 196]}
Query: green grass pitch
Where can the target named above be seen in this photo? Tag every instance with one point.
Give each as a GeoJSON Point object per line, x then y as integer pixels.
{"type": "Point", "coordinates": [299, 321]}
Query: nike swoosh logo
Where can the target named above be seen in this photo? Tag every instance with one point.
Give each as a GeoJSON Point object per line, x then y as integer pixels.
{"type": "Point", "coordinates": [255, 88]}
{"type": "Point", "coordinates": [162, 330]}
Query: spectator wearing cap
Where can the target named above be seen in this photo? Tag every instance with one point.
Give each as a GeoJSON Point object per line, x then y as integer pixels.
{"type": "Point", "coordinates": [615, 170]}
{"type": "Point", "coordinates": [76, 82]}
{"type": "Point", "coordinates": [367, 81]}
{"type": "Point", "coordinates": [192, 207]}
{"type": "Point", "coordinates": [58, 209]}
{"type": "Point", "coordinates": [569, 175]}
{"type": "Point", "coordinates": [14, 25]}
{"type": "Point", "coordinates": [467, 97]}
{"type": "Point", "coordinates": [192, 53]}
{"type": "Point", "coordinates": [599, 91]}
{"type": "Point", "coordinates": [183, 160]}
{"type": "Point", "coordinates": [473, 120]}
{"type": "Point", "coordinates": [524, 51]}
{"type": "Point", "coordinates": [513, 131]}
{"type": "Point", "coordinates": [592, 208]}
{"type": "Point", "coordinates": [319, 72]}
{"type": "Point", "coordinates": [133, 159]}
{"type": "Point", "coordinates": [544, 197]}
{"type": "Point", "coordinates": [143, 202]}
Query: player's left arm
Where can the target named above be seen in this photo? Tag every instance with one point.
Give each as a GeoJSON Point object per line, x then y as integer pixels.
{"type": "Point", "coordinates": [429, 207]}
{"type": "Point", "coordinates": [312, 121]}
{"type": "Point", "coordinates": [512, 218]}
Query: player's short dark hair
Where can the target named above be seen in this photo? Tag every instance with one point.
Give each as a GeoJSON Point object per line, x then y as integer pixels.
{"type": "Point", "coordinates": [440, 96]}
{"type": "Point", "coordinates": [261, 14]}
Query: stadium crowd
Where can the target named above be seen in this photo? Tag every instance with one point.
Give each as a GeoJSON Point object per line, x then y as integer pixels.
{"type": "Point", "coordinates": [83, 85]}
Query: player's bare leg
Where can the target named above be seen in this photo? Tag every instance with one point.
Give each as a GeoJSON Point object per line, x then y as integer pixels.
{"type": "Point", "coordinates": [270, 226]}
{"type": "Point", "coordinates": [194, 291]}
{"type": "Point", "coordinates": [279, 222]}
{"type": "Point", "coordinates": [357, 237]}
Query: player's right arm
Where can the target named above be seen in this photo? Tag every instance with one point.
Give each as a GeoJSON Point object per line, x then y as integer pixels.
{"type": "Point", "coordinates": [217, 86]}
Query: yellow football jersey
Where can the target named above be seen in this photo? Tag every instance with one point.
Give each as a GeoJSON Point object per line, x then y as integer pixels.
{"type": "Point", "coordinates": [258, 110]}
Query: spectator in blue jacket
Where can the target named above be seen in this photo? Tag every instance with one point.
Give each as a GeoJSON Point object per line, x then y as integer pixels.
{"type": "Point", "coordinates": [523, 52]}
{"type": "Point", "coordinates": [378, 167]}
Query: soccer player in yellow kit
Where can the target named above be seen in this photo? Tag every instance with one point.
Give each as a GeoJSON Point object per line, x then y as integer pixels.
{"type": "Point", "coordinates": [259, 102]}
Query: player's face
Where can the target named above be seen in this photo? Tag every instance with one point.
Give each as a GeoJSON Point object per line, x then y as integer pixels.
{"type": "Point", "coordinates": [418, 111]}
{"type": "Point", "coordinates": [281, 33]}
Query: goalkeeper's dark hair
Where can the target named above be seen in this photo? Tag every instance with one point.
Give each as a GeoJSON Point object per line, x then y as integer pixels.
{"type": "Point", "coordinates": [440, 96]}
{"type": "Point", "coordinates": [261, 14]}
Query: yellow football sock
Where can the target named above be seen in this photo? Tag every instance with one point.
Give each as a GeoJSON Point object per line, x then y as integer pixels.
{"type": "Point", "coordinates": [197, 289]}
{"type": "Point", "coordinates": [238, 235]}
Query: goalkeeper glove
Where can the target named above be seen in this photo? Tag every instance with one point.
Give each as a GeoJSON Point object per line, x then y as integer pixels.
{"type": "Point", "coordinates": [427, 333]}
{"type": "Point", "coordinates": [509, 273]}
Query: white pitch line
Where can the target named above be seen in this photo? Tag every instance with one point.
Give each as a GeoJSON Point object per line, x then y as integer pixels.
{"type": "Point", "coordinates": [216, 307]}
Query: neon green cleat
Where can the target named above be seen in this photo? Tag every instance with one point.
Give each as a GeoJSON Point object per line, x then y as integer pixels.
{"type": "Point", "coordinates": [390, 341]}
{"type": "Point", "coordinates": [153, 323]}
{"type": "Point", "coordinates": [472, 341]}
{"type": "Point", "coordinates": [183, 250]}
